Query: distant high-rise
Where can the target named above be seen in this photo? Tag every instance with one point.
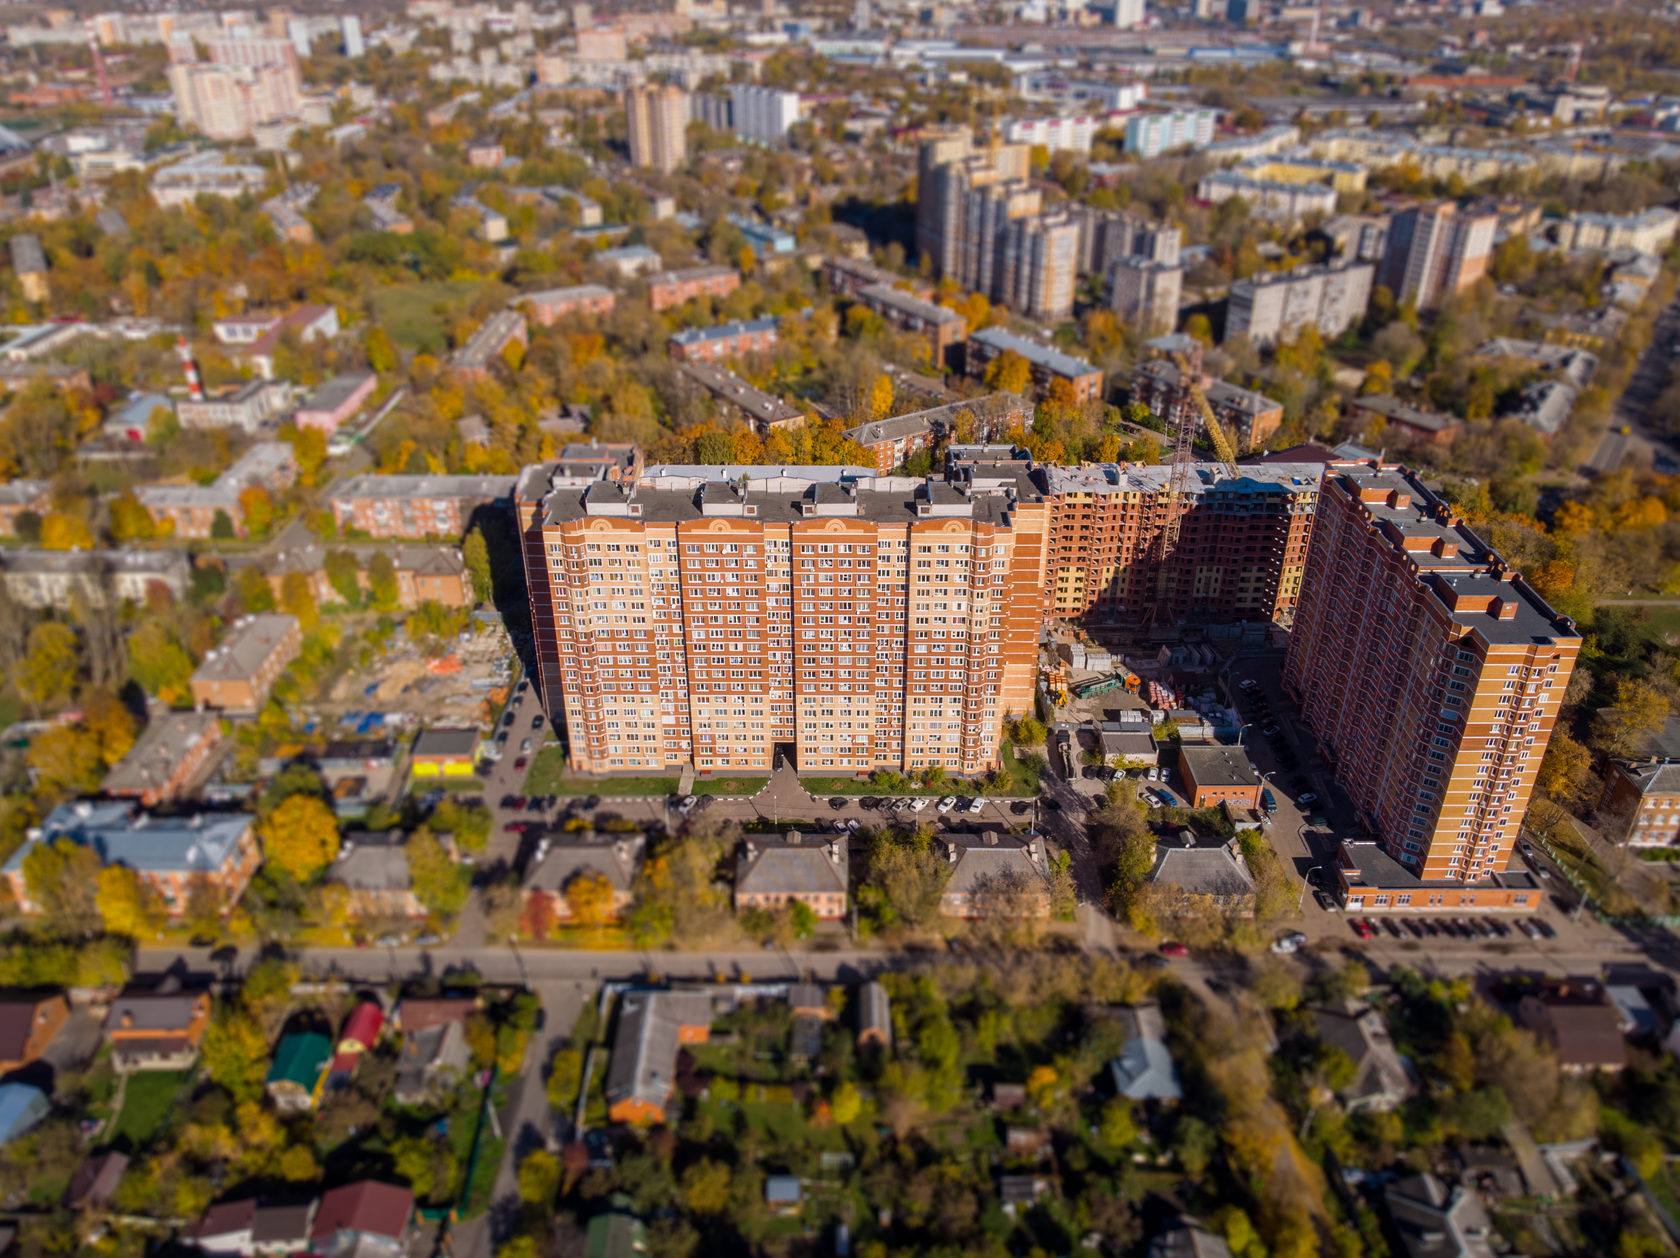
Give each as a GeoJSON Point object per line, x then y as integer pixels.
{"type": "Point", "coordinates": [240, 89]}
{"type": "Point", "coordinates": [1127, 13]}
{"type": "Point", "coordinates": [1145, 294]}
{"type": "Point", "coordinates": [1436, 250]}
{"type": "Point", "coordinates": [350, 27]}
{"type": "Point", "coordinates": [862, 17]}
{"type": "Point", "coordinates": [658, 127]}
{"type": "Point", "coordinates": [763, 115]}
{"type": "Point", "coordinates": [1270, 306]}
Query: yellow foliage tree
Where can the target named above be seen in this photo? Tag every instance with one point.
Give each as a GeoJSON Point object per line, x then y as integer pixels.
{"type": "Point", "coordinates": [880, 397]}
{"type": "Point", "coordinates": [1041, 1085]}
{"type": "Point", "coordinates": [127, 905]}
{"type": "Point", "coordinates": [1009, 372]}
{"type": "Point", "coordinates": [590, 897]}
{"type": "Point", "coordinates": [1573, 517]}
{"type": "Point", "coordinates": [300, 837]}
{"type": "Point", "coordinates": [65, 532]}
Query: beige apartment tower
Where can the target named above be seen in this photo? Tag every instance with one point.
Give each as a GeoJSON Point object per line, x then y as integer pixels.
{"type": "Point", "coordinates": [1429, 672]}
{"type": "Point", "coordinates": [725, 617]}
{"type": "Point", "coordinates": [658, 127]}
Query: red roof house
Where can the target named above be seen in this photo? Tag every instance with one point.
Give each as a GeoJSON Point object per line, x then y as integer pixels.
{"type": "Point", "coordinates": [361, 1028]}
{"type": "Point", "coordinates": [367, 1210]}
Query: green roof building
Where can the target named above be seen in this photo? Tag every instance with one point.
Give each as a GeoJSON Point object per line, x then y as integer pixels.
{"type": "Point", "coordinates": [299, 1069]}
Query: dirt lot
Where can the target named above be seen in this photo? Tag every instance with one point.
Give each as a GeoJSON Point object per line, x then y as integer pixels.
{"type": "Point", "coordinates": [437, 691]}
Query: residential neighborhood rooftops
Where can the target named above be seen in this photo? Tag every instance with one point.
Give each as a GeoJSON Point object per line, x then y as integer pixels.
{"type": "Point", "coordinates": [337, 391]}
{"type": "Point", "coordinates": [159, 751]}
{"type": "Point", "coordinates": [723, 331]}
{"type": "Point", "coordinates": [245, 650]}
{"type": "Point", "coordinates": [446, 742]}
{"type": "Point", "coordinates": [616, 857]}
{"type": "Point", "coordinates": [790, 866]}
{"type": "Point", "coordinates": [1044, 356]}
{"type": "Point", "coordinates": [124, 834]}
{"type": "Point", "coordinates": [1211, 869]}
{"type": "Point", "coordinates": [368, 1206]}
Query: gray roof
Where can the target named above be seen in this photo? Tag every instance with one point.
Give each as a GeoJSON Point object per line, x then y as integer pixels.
{"type": "Point", "coordinates": [1435, 1221]}
{"type": "Point", "coordinates": [245, 650]}
{"type": "Point", "coordinates": [422, 560]}
{"type": "Point", "coordinates": [617, 857]}
{"type": "Point", "coordinates": [446, 741]}
{"type": "Point", "coordinates": [784, 867]}
{"type": "Point", "coordinates": [1362, 1034]}
{"type": "Point", "coordinates": [644, 1053]}
{"type": "Point", "coordinates": [1219, 766]}
{"type": "Point", "coordinates": [475, 488]}
{"type": "Point", "coordinates": [740, 327]}
{"type": "Point", "coordinates": [554, 296]}
{"type": "Point", "coordinates": [1365, 864]}
{"type": "Point", "coordinates": [1396, 411]}
{"type": "Point", "coordinates": [21, 493]}
{"type": "Point", "coordinates": [1652, 779]}
{"type": "Point", "coordinates": [335, 392]}
{"type": "Point", "coordinates": [685, 274]}
{"type": "Point", "coordinates": [1039, 355]}
{"type": "Point", "coordinates": [1144, 1070]}
{"type": "Point", "coordinates": [875, 1010]}
{"type": "Point", "coordinates": [977, 861]}
{"type": "Point", "coordinates": [273, 1224]}
{"type": "Point", "coordinates": [728, 387]}
{"type": "Point", "coordinates": [373, 861]}
{"type": "Point", "coordinates": [1189, 1239]}
{"type": "Point", "coordinates": [164, 1012]}
{"type": "Point", "coordinates": [156, 753]}
{"type": "Point", "coordinates": [909, 303]}
{"type": "Point", "coordinates": [1206, 869]}
{"type": "Point", "coordinates": [27, 255]}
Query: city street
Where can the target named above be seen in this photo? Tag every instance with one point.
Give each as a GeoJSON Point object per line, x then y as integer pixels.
{"type": "Point", "coordinates": [1643, 387]}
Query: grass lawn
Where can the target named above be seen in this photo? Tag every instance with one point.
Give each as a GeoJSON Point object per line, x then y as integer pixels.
{"type": "Point", "coordinates": [548, 775]}
{"type": "Point", "coordinates": [1023, 783]}
{"type": "Point", "coordinates": [415, 315]}
{"type": "Point", "coordinates": [584, 938]}
{"type": "Point", "coordinates": [146, 1103]}
{"type": "Point", "coordinates": [1662, 627]}
{"type": "Point", "coordinates": [729, 786]}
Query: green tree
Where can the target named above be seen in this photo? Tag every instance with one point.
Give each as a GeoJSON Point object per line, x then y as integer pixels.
{"type": "Point", "coordinates": [846, 1104]}
{"type": "Point", "coordinates": [475, 553]}
{"type": "Point", "coordinates": [344, 575]}
{"type": "Point", "coordinates": [300, 837]}
{"type": "Point", "coordinates": [1117, 1129]}
{"type": "Point", "coordinates": [382, 582]}
{"type": "Point", "coordinates": [255, 593]}
{"type": "Point", "coordinates": [705, 1187]}
{"type": "Point", "coordinates": [158, 661]}
{"type": "Point", "coordinates": [221, 527]}
{"type": "Point", "coordinates": [438, 882]}
{"type": "Point", "coordinates": [47, 674]}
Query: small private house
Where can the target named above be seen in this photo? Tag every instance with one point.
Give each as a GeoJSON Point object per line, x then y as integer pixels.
{"type": "Point", "coordinates": [1580, 1022]}
{"type": "Point", "coordinates": [652, 1027]}
{"type": "Point", "coordinates": [372, 866]}
{"type": "Point", "coordinates": [252, 1226]}
{"type": "Point", "coordinates": [157, 1029]}
{"type": "Point", "coordinates": [874, 1016]}
{"type": "Point", "coordinates": [298, 1071]}
{"type": "Point", "coordinates": [366, 1217]}
{"type": "Point", "coordinates": [95, 1181]}
{"type": "Point", "coordinates": [1144, 1070]}
{"type": "Point", "coordinates": [783, 1194]}
{"type": "Point", "coordinates": [1380, 1081]}
{"type": "Point", "coordinates": [770, 873]}
{"type": "Point", "coordinates": [360, 1035]}
{"type": "Point", "coordinates": [22, 1106]}
{"type": "Point", "coordinates": [27, 1025]}
{"type": "Point", "coordinates": [1194, 873]}
{"type": "Point", "coordinates": [433, 1060]}
{"type": "Point", "coordinates": [444, 752]}
{"type": "Point", "coordinates": [1434, 1220]}
{"type": "Point", "coordinates": [1187, 1238]}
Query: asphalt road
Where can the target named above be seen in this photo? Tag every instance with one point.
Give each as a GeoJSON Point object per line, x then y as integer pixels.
{"type": "Point", "coordinates": [1643, 388]}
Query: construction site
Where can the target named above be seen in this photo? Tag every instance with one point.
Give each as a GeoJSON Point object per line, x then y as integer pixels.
{"type": "Point", "coordinates": [403, 686]}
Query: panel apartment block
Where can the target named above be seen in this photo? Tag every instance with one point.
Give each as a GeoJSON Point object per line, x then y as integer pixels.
{"type": "Point", "coordinates": [1279, 306]}
{"type": "Point", "coordinates": [1241, 552]}
{"type": "Point", "coordinates": [727, 616]}
{"type": "Point", "coordinates": [1428, 670]}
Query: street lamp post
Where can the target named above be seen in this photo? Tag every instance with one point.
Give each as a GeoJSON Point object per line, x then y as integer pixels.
{"type": "Point", "coordinates": [1301, 899]}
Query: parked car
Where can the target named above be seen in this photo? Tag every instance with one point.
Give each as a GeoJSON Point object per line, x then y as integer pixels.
{"type": "Point", "coordinates": [536, 721]}
{"type": "Point", "coordinates": [524, 746]}
{"type": "Point", "coordinates": [1268, 801]}
{"type": "Point", "coordinates": [1168, 799]}
{"type": "Point", "coordinates": [1174, 949]}
{"type": "Point", "coordinates": [1392, 927]}
{"type": "Point", "coordinates": [976, 805]}
{"type": "Point", "coordinates": [852, 823]}
{"type": "Point", "coordinates": [837, 803]}
{"type": "Point", "coordinates": [1361, 927]}
{"type": "Point", "coordinates": [1307, 797]}
{"type": "Point", "coordinates": [1544, 927]}
{"type": "Point", "coordinates": [868, 803]}
{"type": "Point", "coordinates": [1289, 942]}
{"type": "Point", "coordinates": [1154, 774]}
{"type": "Point", "coordinates": [919, 804]}
{"type": "Point", "coordinates": [519, 764]}
{"type": "Point", "coordinates": [946, 804]}
{"type": "Point", "coordinates": [1326, 902]}
{"type": "Point", "coordinates": [1020, 807]}
{"type": "Point", "coordinates": [687, 804]}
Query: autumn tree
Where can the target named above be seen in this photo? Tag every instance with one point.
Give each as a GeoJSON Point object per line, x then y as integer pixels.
{"type": "Point", "coordinates": [590, 897]}
{"type": "Point", "coordinates": [235, 1054]}
{"type": "Point", "coordinates": [129, 906]}
{"type": "Point", "coordinates": [254, 591]}
{"type": "Point", "coordinates": [158, 661]}
{"type": "Point", "coordinates": [383, 591]}
{"type": "Point", "coordinates": [1009, 372]}
{"type": "Point", "coordinates": [62, 878]}
{"type": "Point", "coordinates": [344, 575]}
{"type": "Point", "coordinates": [297, 598]}
{"type": "Point", "coordinates": [1639, 710]}
{"type": "Point", "coordinates": [539, 1178]}
{"type": "Point", "coordinates": [257, 510]}
{"type": "Point", "coordinates": [66, 760]}
{"type": "Point", "coordinates": [47, 674]}
{"type": "Point", "coordinates": [475, 553]}
{"type": "Point", "coordinates": [300, 837]}
{"type": "Point", "coordinates": [65, 532]}
{"type": "Point", "coordinates": [130, 522]}
{"type": "Point", "coordinates": [381, 354]}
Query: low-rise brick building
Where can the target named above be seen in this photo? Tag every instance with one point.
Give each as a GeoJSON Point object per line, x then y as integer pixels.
{"type": "Point", "coordinates": [673, 288]}
{"type": "Point", "coordinates": [239, 673]}
{"type": "Point", "coordinates": [770, 873]}
{"type": "Point", "coordinates": [336, 401]}
{"type": "Point", "coordinates": [1047, 364]}
{"type": "Point", "coordinates": [415, 506]}
{"type": "Point", "coordinates": [172, 751]}
{"type": "Point", "coordinates": [1641, 804]}
{"type": "Point", "coordinates": [942, 327]}
{"type": "Point", "coordinates": [485, 346]}
{"type": "Point", "coordinates": [727, 340]}
{"type": "Point", "coordinates": [425, 574]}
{"type": "Point", "coordinates": [1218, 775]}
{"type": "Point", "coordinates": [1251, 418]}
{"type": "Point", "coordinates": [550, 305]}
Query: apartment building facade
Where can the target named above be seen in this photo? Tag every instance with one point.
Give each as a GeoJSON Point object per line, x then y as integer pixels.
{"type": "Point", "coordinates": [238, 674]}
{"type": "Point", "coordinates": [1241, 552]}
{"type": "Point", "coordinates": [736, 616]}
{"type": "Point", "coordinates": [1436, 250]}
{"type": "Point", "coordinates": [1429, 672]}
{"type": "Point", "coordinates": [942, 327]}
{"type": "Point", "coordinates": [1047, 364]}
{"type": "Point", "coordinates": [1251, 418]}
{"type": "Point", "coordinates": [415, 506]}
{"type": "Point", "coordinates": [658, 118]}
{"type": "Point", "coordinates": [673, 288]}
{"type": "Point", "coordinates": [1145, 294]}
{"type": "Point", "coordinates": [550, 305]}
{"type": "Point", "coordinates": [1279, 305]}
{"type": "Point", "coordinates": [726, 341]}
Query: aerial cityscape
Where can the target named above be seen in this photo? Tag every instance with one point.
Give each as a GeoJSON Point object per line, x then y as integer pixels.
{"type": "Point", "coordinates": [681, 628]}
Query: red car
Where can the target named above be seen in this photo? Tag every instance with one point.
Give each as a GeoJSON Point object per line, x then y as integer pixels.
{"type": "Point", "coordinates": [1171, 949]}
{"type": "Point", "coordinates": [519, 764]}
{"type": "Point", "coordinates": [514, 827]}
{"type": "Point", "coordinates": [1361, 927]}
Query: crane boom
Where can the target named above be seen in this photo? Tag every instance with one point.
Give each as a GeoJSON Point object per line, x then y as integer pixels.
{"type": "Point", "coordinates": [1183, 460]}
{"type": "Point", "coordinates": [1215, 430]}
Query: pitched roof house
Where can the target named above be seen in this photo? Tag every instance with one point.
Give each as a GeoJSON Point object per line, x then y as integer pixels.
{"type": "Point", "coordinates": [1380, 1080]}
{"type": "Point", "coordinates": [367, 1213]}
{"type": "Point", "coordinates": [1144, 1070]}
{"type": "Point", "coordinates": [27, 1025]}
{"type": "Point", "coordinates": [1194, 872]}
{"type": "Point", "coordinates": [772, 872]}
{"type": "Point", "coordinates": [563, 859]}
{"type": "Point", "coordinates": [1435, 1221]}
{"type": "Point", "coordinates": [985, 870]}
{"type": "Point", "coordinates": [160, 1029]}
{"type": "Point", "coordinates": [652, 1027]}
{"type": "Point", "coordinates": [1579, 1021]}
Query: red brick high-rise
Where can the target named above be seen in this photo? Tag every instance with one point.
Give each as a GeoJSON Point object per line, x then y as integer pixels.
{"type": "Point", "coordinates": [1429, 672]}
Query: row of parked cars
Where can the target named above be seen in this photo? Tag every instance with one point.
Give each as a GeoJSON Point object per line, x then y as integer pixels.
{"type": "Point", "coordinates": [1418, 927]}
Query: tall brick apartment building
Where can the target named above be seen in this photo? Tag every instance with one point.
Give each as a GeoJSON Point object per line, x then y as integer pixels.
{"type": "Point", "coordinates": [1241, 551]}
{"type": "Point", "coordinates": [731, 615]}
{"type": "Point", "coordinates": [1430, 674]}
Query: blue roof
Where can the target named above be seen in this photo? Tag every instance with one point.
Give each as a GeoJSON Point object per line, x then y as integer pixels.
{"type": "Point", "coordinates": [695, 336]}
{"type": "Point", "coordinates": [1050, 359]}
{"type": "Point", "coordinates": [21, 1107]}
{"type": "Point", "coordinates": [123, 834]}
{"type": "Point", "coordinates": [134, 414]}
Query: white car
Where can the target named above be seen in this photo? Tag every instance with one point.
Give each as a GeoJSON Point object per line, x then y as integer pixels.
{"type": "Point", "coordinates": [919, 803]}
{"type": "Point", "coordinates": [1290, 942]}
{"type": "Point", "coordinates": [1154, 775]}
{"type": "Point", "coordinates": [976, 804]}
{"type": "Point", "coordinates": [946, 804]}
{"type": "Point", "coordinates": [852, 823]}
